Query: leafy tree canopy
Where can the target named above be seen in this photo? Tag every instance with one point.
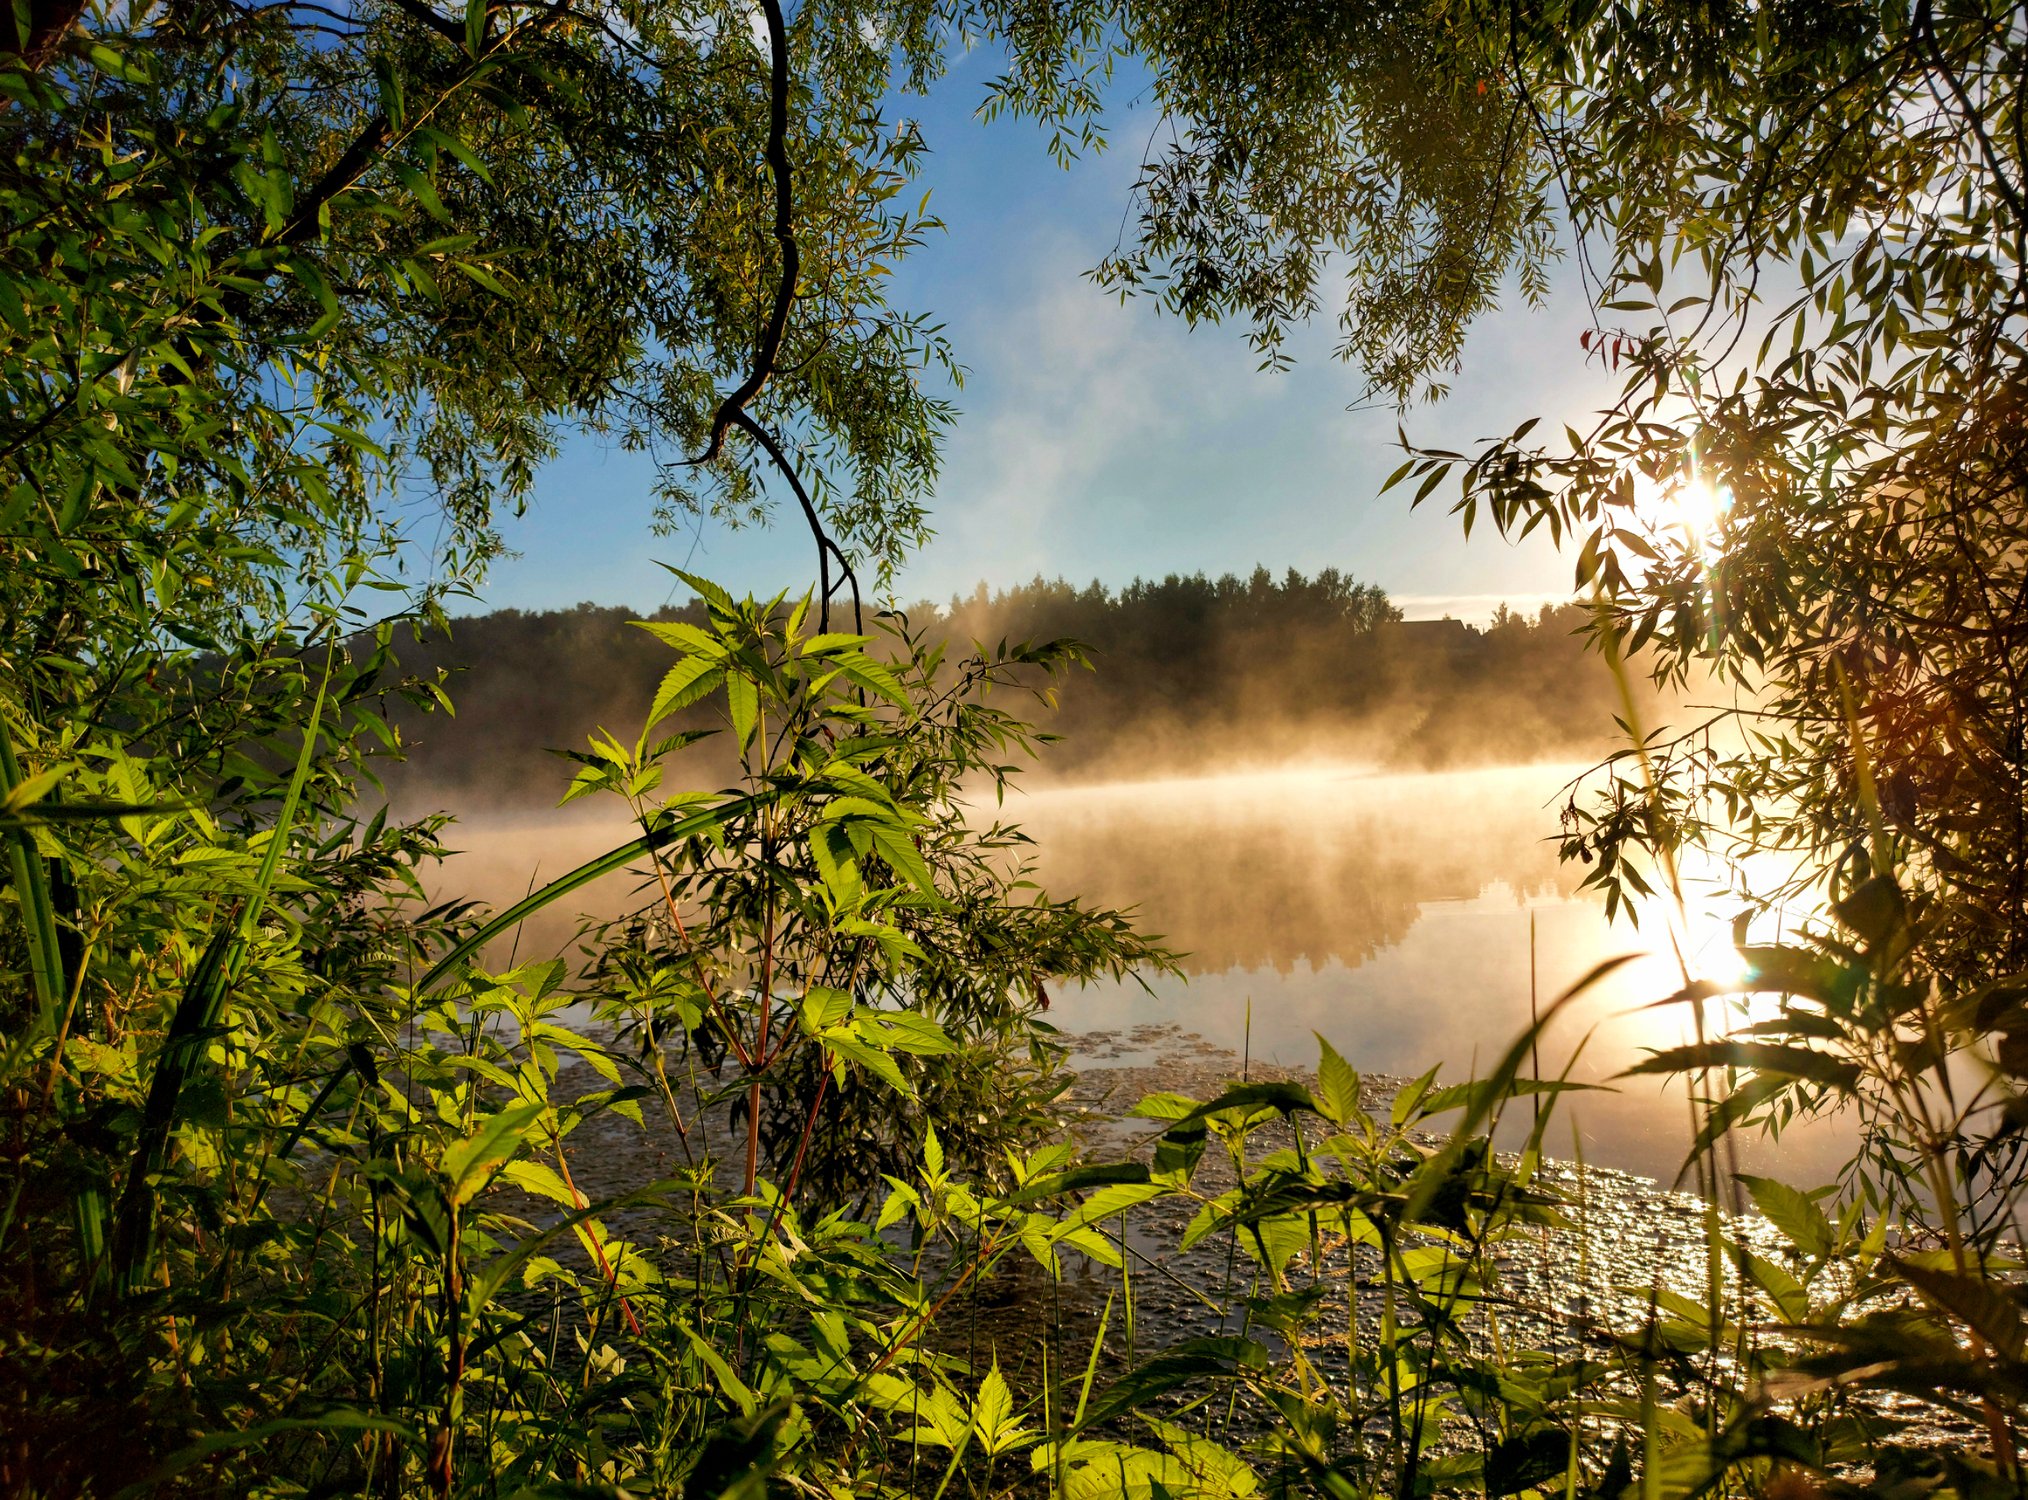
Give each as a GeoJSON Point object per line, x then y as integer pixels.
{"type": "Point", "coordinates": [1805, 238]}
{"type": "Point", "coordinates": [1803, 232]}
{"type": "Point", "coordinates": [269, 268]}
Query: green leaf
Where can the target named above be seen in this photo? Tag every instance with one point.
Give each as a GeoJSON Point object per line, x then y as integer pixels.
{"type": "Point", "coordinates": [424, 192]}
{"type": "Point", "coordinates": [690, 639]}
{"type": "Point", "coordinates": [1781, 969]}
{"type": "Point", "coordinates": [1164, 1106]}
{"type": "Point", "coordinates": [1875, 910]}
{"type": "Point", "coordinates": [867, 673]}
{"type": "Point", "coordinates": [993, 1423]}
{"type": "Point", "coordinates": [831, 851]}
{"type": "Point", "coordinates": [847, 1044]}
{"type": "Point", "coordinates": [1184, 1363]}
{"type": "Point", "coordinates": [839, 808]}
{"type": "Point", "coordinates": [1983, 1306]}
{"type": "Point", "coordinates": [708, 591]}
{"type": "Point", "coordinates": [1178, 1152]}
{"type": "Point", "coordinates": [38, 912]}
{"type": "Point", "coordinates": [692, 678]}
{"type": "Point", "coordinates": [1284, 1098]}
{"type": "Point", "coordinates": [904, 1031]}
{"type": "Point", "coordinates": [1109, 1201]}
{"type": "Point", "coordinates": [1408, 1099]}
{"type": "Point", "coordinates": [1077, 1179]}
{"type": "Point", "coordinates": [482, 277]}
{"type": "Point", "coordinates": [898, 849]}
{"type": "Point", "coordinates": [128, 68]}
{"type": "Point", "coordinates": [1735, 1107]}
{"type": "Point", "coordinates": [1794, 1213]}
{"type": "Point", "coordinates": [743, 703]}
{"type": "Point", "coordinates": [832, 642]}
{"type": "Point", "coordinates": [1762, 1057]}
{"type": "Point", "coordinates": [32, 789]}
{"type": "Point", "coordinates": [541, 1181]}
{"type": "Point", "coordinates": [822, 1007]}
{"type": "Point", "coordinates": [469, 1164]}
{"type": "Point", "coordinates": [1337, 1084]}
{"type": "Point", "coordinates": [721, 1371]}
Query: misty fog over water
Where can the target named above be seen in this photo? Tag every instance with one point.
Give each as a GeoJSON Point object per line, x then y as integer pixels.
{"type": "Point", "coordinates": [1389, 911]}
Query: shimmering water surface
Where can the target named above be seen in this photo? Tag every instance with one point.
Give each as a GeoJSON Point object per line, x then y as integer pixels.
{"type": "Point", "coordinates": [1390, 912]}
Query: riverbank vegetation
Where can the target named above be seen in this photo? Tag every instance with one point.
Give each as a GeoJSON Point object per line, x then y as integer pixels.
{"type": "Point", "coordinates": [293, 299]}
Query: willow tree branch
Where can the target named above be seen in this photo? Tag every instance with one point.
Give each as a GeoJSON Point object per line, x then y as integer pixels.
{"type": "Point", "coordinates": [377, 135]}
{"type": "Point", "coordinates": [827, 549]}
{"type": "Point", "coordinates": [428, 15]}
{"type": "Point", "coordinates": [1940, 65]}
{"type": "Point", "coordinates": [732, 411]}
{"type": "Point", "coordinates": [770, 347]}
{"type": "Point", "coordinates": [32, 46]}
{"type": "Point", "coordinates": [353, 163]}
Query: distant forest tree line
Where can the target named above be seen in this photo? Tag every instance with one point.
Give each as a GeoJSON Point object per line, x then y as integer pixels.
{"type": "Point", "coordinates": [1190, 673]}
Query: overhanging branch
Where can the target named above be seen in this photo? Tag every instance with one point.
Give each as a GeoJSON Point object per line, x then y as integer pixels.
{"type": "Point", "coordinates": [732, 411]}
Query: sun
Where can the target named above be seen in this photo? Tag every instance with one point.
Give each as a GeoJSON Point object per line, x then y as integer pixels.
{"type": "Point", "coordinates": [1692, 504]}
{"type": "Point", "coordinates": [1700, 925]}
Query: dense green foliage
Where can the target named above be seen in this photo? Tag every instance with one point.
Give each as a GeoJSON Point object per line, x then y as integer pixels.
{"type": "Point", "coordinates": [1803, 233]}
{"type": "Point", "coordinates": [1813, 286]}
{"type": "Point", "coordinates": [290, 1202]}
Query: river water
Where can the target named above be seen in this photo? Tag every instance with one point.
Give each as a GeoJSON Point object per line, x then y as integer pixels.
{"type": "Point", "coordinates": [1404, 916]}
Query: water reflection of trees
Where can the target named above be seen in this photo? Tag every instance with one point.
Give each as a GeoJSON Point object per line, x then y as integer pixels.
{"type": "Point", "coordinates": [1277, 872]}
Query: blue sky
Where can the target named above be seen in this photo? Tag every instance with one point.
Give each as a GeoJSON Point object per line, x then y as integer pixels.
{"type": "Point", "coordinates": [1098, 440]}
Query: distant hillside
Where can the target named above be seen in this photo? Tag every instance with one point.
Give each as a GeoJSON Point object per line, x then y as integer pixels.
{"type": "Point", "coordinates": [1193, 673]}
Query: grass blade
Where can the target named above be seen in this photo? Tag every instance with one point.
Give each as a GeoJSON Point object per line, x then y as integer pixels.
{"type": "Point", "coordinates": [38, 912]}
{"type": "Point", "coordinates": [196, 1018]}
{"type": "Point", "coordinates": [653, 839]}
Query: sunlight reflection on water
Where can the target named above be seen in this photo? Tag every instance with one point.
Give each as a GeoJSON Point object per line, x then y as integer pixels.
{"type": "Point", "coordinates": [1390, 912]}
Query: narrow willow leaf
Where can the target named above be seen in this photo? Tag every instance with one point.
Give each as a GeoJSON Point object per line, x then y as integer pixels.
{"type": "Point", "coordinates": [663, 834]}
{"type": "Point", "coordinates": [1762, 1057]}
{"type": "Point", "coordinates": [38, 912]}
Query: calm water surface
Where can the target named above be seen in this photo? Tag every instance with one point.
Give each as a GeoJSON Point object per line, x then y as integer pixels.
{"type": "Point", "coordinates": [1391, 913]}
{"type": "Point", "coordinates": [1394, 914]}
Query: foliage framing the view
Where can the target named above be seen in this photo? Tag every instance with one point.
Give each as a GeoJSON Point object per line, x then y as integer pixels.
{"type": "Point", "coordinates": [272, 274]}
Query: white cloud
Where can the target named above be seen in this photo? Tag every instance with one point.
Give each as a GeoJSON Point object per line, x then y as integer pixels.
{"type": "Point", "coordinates": [1074, 384]}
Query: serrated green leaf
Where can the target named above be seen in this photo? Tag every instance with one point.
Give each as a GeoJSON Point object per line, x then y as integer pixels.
{"type": "Point", "coordinates": [1337, 1084]}
{"type": "Point", "coordinates": [743, 705]}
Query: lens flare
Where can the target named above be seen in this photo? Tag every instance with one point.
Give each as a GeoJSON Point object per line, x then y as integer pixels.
{"type": "Point", "coordinates": [1701, 509]}
{"type": "Point", "coordinates": [1692, 504]}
